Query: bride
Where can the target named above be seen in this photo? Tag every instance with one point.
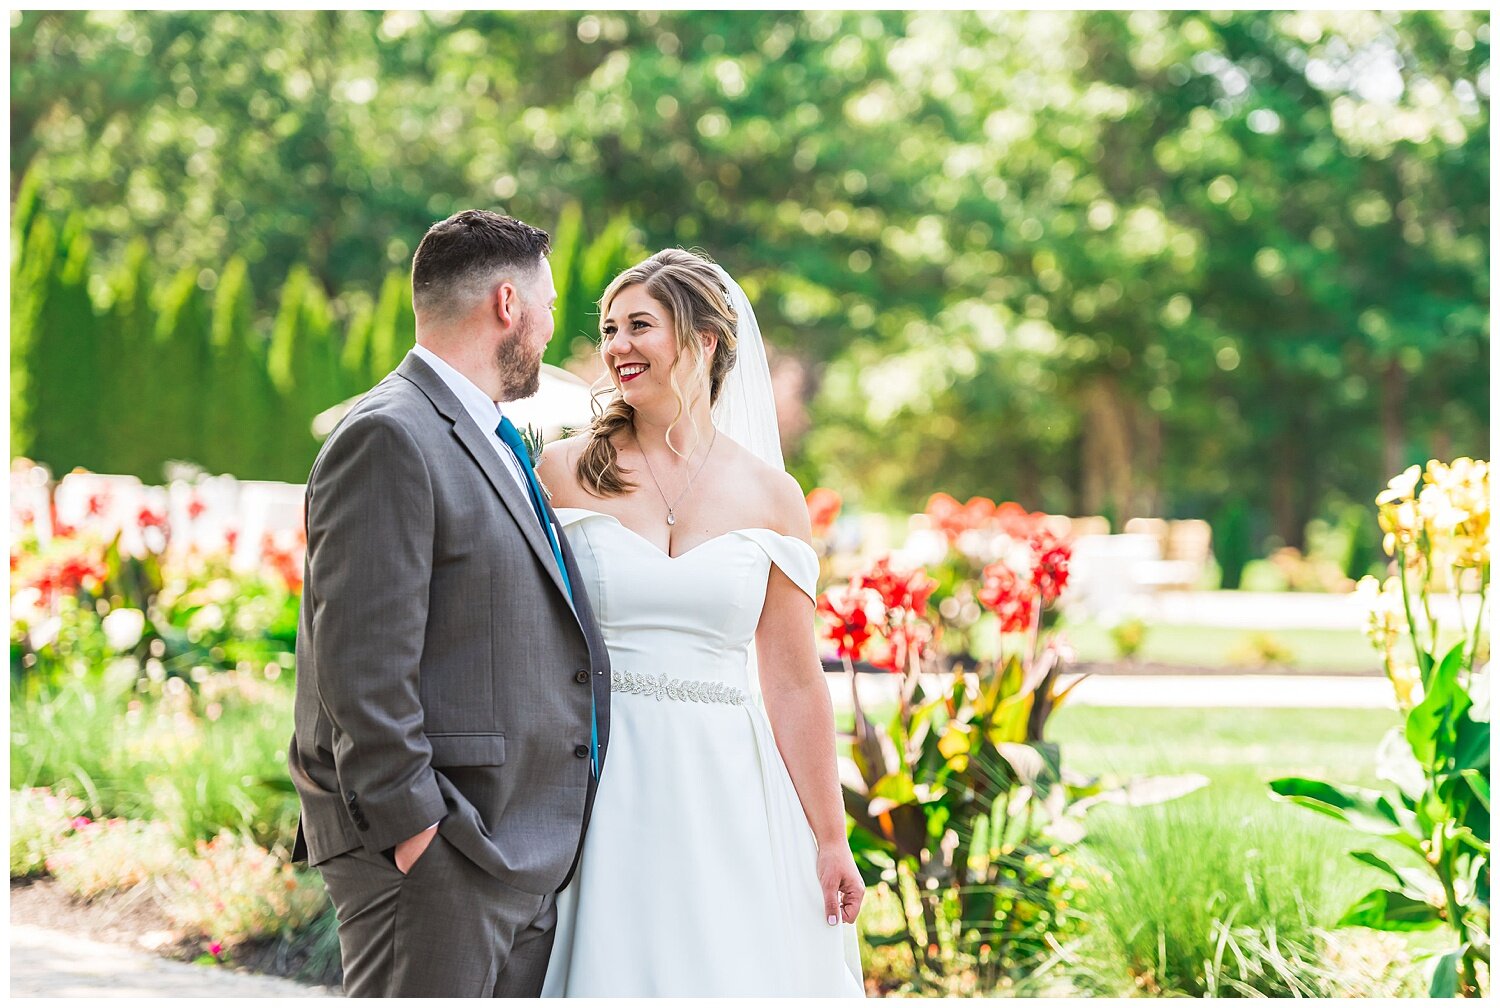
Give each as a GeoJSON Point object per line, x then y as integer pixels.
{"type": "Point", "coordinates": [716, 861]}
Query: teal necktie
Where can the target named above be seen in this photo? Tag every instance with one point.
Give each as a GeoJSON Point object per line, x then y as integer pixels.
{"type": "Point", "coordinates": [517, 446]}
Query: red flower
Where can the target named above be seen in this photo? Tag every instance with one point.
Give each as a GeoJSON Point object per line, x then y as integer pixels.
{"type": "Point", "coordinates": [978, 511]}
{"type": "Point", "coordinates": [1052, 558]}
{"type": "Point", "coordinates": [1009, 597]}
{"type": "Point", "coordinates": [195, 508]}
{"type": "Point", "coordinates": [148, 519]}
{"type": "Point", "coordinates": [906, 592]}
{"type": "Point", "coordinates": [946, 515]}
{"type": "Point", "coordinates": [846, 622]}
{"type": "Point", "coordinates": [97, 504]}
{"type": "Point", "coordinates": [60, 528]}
{"type": "Point", "coordinates": [823, 506]}
{"type": "Point", "coordinates": [953, 519]}
{"type": "Point", "coordinates": [69, 575]}
{"type": "Point", "coordinates": [285, 562]}
{"type": "Point", "coordinates": [903, 642]}
{"type": "Point", "coordinates": [1014, 520]}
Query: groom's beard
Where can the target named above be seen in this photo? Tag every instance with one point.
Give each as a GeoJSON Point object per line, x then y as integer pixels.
{"type": "Point", "coordinates": [520, 366]}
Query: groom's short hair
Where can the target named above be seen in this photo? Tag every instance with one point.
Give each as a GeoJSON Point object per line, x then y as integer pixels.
{"type": "Point", "coordinates": [460, 260]}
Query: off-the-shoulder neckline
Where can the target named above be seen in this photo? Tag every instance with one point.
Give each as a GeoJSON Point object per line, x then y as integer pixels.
{"type": "Point", "coordinates": [663, 553]}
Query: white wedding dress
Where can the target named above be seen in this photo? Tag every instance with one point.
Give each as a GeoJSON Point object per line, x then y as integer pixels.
{"type": "Point", "coordinates": [698, 873]}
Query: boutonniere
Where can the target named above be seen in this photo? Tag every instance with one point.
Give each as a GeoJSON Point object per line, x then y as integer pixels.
{"type": "Point", "coordinates": [531, 437]}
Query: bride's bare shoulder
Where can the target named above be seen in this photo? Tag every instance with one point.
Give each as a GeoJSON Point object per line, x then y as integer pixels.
{"type": "Point", "coordinates": [776, 491]}
{"type": "Point", "coordinates": [557, 468]}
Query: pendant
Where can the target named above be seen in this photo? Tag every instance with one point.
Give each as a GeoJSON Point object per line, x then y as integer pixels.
{"type": "Point", "coordinates": [671, 518]}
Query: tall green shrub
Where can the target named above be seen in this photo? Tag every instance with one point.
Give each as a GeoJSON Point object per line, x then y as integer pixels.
{"type": "Point", "coordinates": [31, 268]}
{"type": "Point", "coordinates": [304, 368]}
{"type": "Point", "coordinates": [128, 360]}
{"type": "Point", "coordinates": [177, 426]}
{"type": "Point", "coordinates": [242, 404]}
{"type": "Point", "coordinates": [394, 328]}
{"type": "Point", "coordinates": [56, 403]}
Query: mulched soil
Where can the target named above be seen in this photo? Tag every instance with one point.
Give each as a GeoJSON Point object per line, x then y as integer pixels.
{"type": "Point", "coordinates": [126, 918]}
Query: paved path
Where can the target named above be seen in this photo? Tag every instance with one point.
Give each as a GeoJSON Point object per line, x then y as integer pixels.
{"type": "Point", "coordinates": [46, 963]}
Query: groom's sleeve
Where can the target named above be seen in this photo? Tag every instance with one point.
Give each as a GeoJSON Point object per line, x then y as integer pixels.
{"type": "Point", "coordinates": [369, 539]}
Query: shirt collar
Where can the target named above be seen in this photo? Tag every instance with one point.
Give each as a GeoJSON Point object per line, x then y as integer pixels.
{"type": "Point", "coordinates": [485, 411]}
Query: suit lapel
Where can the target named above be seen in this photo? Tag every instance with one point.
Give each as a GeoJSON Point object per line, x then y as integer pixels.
{"type": "Point", "coordinates": [478, 445]}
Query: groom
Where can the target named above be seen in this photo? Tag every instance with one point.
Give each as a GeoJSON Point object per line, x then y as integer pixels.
{"type": "Point", "coordinates": [452, 686]}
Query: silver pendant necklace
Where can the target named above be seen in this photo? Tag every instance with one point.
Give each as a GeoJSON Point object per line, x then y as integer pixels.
{"type": "Point", "coordinates": [672, 505]}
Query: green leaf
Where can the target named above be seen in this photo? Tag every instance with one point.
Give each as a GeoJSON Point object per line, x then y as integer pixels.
{"type": "Point", "coordinates": [1471, 749]}
{"type": "Point", "coordinates": [1431, 725]}
{"type": "Point", "coordinates": [1029, 764]}
{"type": "Point", "coordinates": [1386, 910]}
{"type": "Point", "coordinates": [1010, 679]}
{"type": "Point", "coordinates": [1479, 783]}
{"type": "Point", "coordinates": [1445, 974]}
{"type": "Point", "coordinates": [1394, 762]}
{"type": "Point", "coordinates": [891, 791]}
{"type": "Point", "coordinates": [1376, 861]}
{"type": "Point", "coordinates": [1010, 719]}
{"type": "Point", "coordinates": [1362, 808]}
{"type": "Point", "coordinates": [1415, 883]}
{"type": "Point", "coordinates": [1448, 668]}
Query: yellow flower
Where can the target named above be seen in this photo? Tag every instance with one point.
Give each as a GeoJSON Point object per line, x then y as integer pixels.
{"type": "Point", "coordinates": [1402, 524]}
{"type": "Point", "coordinates": [1407, 681]}
{"type": "Point", "coordinates": [1385, 611]}
{"type": "Point", "coordinates": [1455, 507]}
{"type": "Point", "coordinates": [1401, 487]}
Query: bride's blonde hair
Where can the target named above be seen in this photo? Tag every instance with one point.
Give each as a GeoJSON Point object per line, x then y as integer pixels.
{"type": "Point", "coordinates": [688, 286]}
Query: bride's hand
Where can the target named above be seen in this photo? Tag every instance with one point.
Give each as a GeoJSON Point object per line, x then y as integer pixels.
{"type": "Point", "coordinates": [843, 890]}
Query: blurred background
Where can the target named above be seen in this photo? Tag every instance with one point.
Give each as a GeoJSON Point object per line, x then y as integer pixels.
{"type": "Point", "coordinates": [1181, 291]}
{"type": "Point", "coordinates": [1154, 264]}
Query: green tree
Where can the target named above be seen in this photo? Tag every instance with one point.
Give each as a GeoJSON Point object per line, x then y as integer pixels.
{"type": "Point", "coordinates": [177, 422]}
{"type": "Point", "coordinates": [126, 336]}
{"type": "Point", "coordinates": [242, 405]}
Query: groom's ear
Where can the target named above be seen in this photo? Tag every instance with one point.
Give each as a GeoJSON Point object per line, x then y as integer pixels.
{"type": "Point", "coordinates": [507, 303]}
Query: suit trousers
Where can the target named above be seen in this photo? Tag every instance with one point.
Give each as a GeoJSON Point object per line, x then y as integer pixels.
{"type": "Point", "coordinates": [447, 928]}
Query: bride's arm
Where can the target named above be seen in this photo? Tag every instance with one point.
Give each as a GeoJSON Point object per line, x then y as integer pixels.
{"type": "Point", "coordinates": [801, 714]}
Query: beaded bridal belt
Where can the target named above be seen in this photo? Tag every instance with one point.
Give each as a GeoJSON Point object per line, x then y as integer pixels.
{"type": "Point", "coordinates": [662, 688]}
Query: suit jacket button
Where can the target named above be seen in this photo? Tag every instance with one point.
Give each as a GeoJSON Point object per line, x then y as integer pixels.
{"type": "Point", "coordinates": [581, 751]}
{"type": "Point", "coordinates": [350, 796]}
{"type": "Point", "coordinates": [364, 826]}
{"type": "Point", "coordinates": [582, 675]}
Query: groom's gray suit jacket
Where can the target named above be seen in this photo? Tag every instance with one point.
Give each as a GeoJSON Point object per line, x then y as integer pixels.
{"type": "Point", "coordinates": [441, 672]}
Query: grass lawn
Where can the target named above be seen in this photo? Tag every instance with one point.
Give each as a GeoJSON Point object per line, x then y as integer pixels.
{"type": "Point", "coordinates": [1311, 650]}
{"type": "Point", "coordinates": [1230, 851]}
{"type": "Point", "coordinates": [1235, 748]}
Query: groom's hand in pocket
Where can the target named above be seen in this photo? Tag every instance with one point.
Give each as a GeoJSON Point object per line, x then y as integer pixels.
{"type": "Point", "coordinates": [409, 850]}
{"type": "Point", "coordinates": [843, 889]}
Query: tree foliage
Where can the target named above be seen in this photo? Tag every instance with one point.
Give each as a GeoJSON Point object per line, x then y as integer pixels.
{"type": "Point", "coordinates": [1232, 265]}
